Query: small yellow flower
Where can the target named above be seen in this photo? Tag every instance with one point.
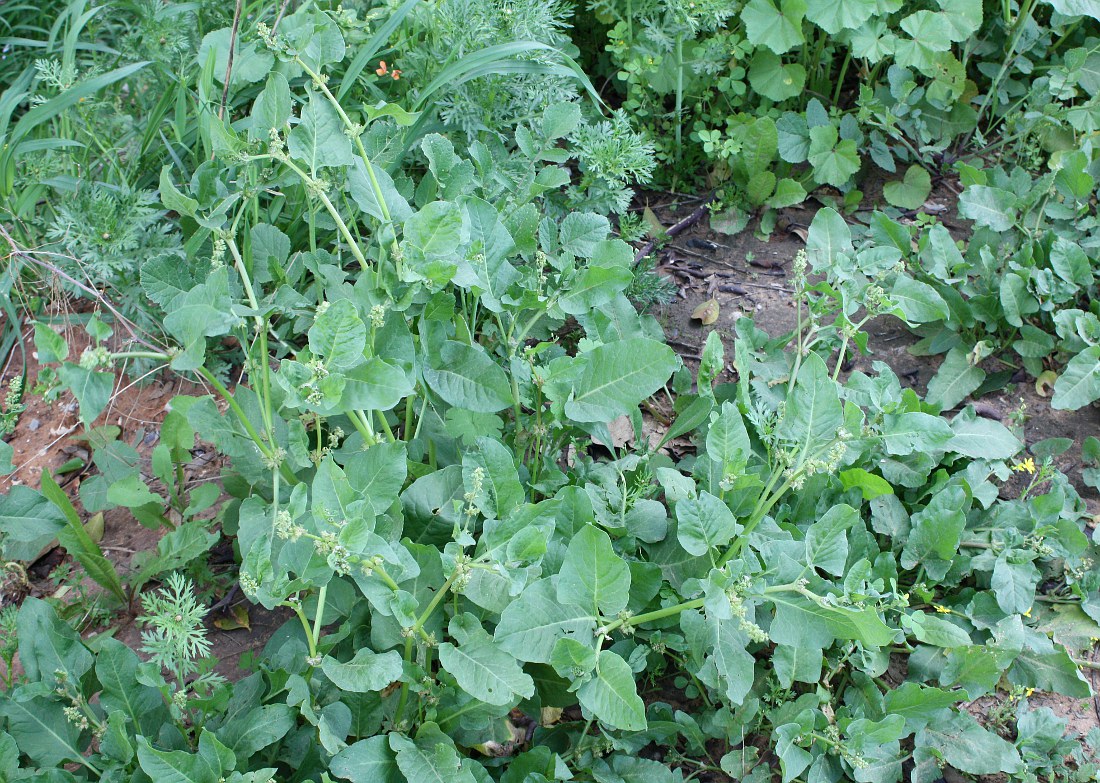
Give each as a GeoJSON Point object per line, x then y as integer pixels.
{"type": "Point", "coordinates": [1029, 691]}
{"type": "Point", "coordinates": [1027, 465]}
{"type": "Point", "coordinates": [1027, 613]}
{"type": "Point", "coordinates": [942, 609]}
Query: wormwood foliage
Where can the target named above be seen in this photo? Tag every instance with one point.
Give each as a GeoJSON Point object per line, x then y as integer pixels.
{"type": "Point", "coordinates": [479, 584]}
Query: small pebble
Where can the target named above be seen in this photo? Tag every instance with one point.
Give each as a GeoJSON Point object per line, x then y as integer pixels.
{"type": "Point", "coordinates": [34, 425]}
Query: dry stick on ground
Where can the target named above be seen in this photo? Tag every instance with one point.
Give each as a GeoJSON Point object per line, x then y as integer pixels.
{"type": "Point", "coordinates": [687, 222]}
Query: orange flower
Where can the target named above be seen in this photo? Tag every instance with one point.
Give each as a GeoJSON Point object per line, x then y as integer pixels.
{"type": "Point", "coordinates": [381, 70]}
{"type": "Point", "coordinates": [396, 74]}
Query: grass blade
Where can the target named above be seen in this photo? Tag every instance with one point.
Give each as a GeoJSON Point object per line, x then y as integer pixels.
{"type": "Point", "coordinates": [76, 541]}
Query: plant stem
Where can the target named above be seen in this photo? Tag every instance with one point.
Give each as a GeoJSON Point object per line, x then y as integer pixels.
{"type": "Point", "coordinates": [288, 474]}
{"type": "Point", "coordinates": [321, 594]}
{"type": "Point", "coordinates": [310, 642]}
{"type": "Point", "coordinates": [656, 614]}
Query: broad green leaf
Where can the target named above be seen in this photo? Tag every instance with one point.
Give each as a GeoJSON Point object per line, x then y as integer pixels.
{"type": "Point", "coordinates": [1079, 383]}
{"type": "Point", "coordinates": [801, 619]}
{"type": "Point", "coordinates": [905, 433]}
{"type": "Point", "coordinates": [468, 378]}
{"type": "Point", "coordinates": [911, 191]}
{"type": "Point", "coordinates": [91, 388]}
{"type": "Point", "coordinates": [796, 663]}
{"type": "Point", "coordinates": [759, 147]}
{"type": "Point", "coordinates": [827, 539]}
{"type": "Point", "coordinates": [982, 438]}
{"type": "Point", "coordinates": [362, 192]}
{"type": "Point", "coordinates": [827, 238]}
{"type": "Point", "coordinates": [375, 385]}
{"type": "Point", "coordinates": [727, 666]}
{"type": "Point", "coordinates": [1052, 671]}
{"type": "Point", "coordinates": [164, 278]}
{"type": "Point", "coordinates": [727, 440]}
{"type": "Point", "coordinates": [965, 745]}
{"type": "Point", "coordinates": [837, 15]}
{"type": "Point", "coordinates": [1070, 263]}
{"type": "Point", "coordinates": [211, 764]}
{"type": "Point", "coordinates": [870, 484]}
{"type": "Point", "coordinates": [593, 287]}
{"type": "Point", "coordinates": [48, 645]}
{"type": "Point", "coordinates": [1077, 7]}
{"type": "Point", "coordinates": [572, 659]}
{"type": "Point", "coordinates": [318, 140]}
{"type": "Point", "coordinates": [930, 629]}
{"type": "Point", "coordinates": [704, 523]}
{"type": "Point", "coordinates": [339, 335]}
{"type": "Point", "coordinates": [792, 758]}
{"type": "Point", "coordinates": [616, 377]}
{"type": "Point", "coordinates": [116, 669]}
{"type": "Point", "coordinates": [964, 17]}
{"type": "Point", "coordinates": [611, 695]}
{"type": "Point", "coordinates": [132, 492]}
{"type": "Point", "coordinates": [28, 522]}
{"type": "Point", "coordinates": [773, 79]}
{"type": "Point", "coordinates": [314, 37]}
{"type": "Point", "coordinates": [954, 380]}
{"type": "Point", "coordinates": [813, 414]}
{"type": "Point", "coordinates": [934, 539]}
{"type": "Point", "coordinates": [500, 488]}
{"type": "Point", "coordinates": [42, 730]}
{"type": "Point", "coordinates": [378, 473]}
{"type": "Point", "coordinates": [367, 671]}
{"type": "Point", "coordinates": [172, 198]}
{"type": "Point", "coordinates": [834, 160]}
{"type": "Point", "coordinates": [530, 625]}
{"type": "Point", "coordinates": [1013, 584]}
{"type": "Point", "coordinates": [367, 761]}
{"type": "Point", "coordinates": [484, 670]}
{"type": "Point", "coordinates": [921, 705]}
{"type": "Point", "coordinates": [438, 230]}
{"type": "Point", "coordinates": [919, 302]}
{"type": "Point", "coordinates": [1016, 300]}
{"type": "Point", "coordinates": [270, 111]}
{"type": "Point", "coordinates": [593, 575]}
{"type": "Point", "coordinates": [204, 311]}
{"type": "Point", "coordinates": [788, 192]}
{"type": "Point", "coordinates": [250, 61]}
{"type": "Point", "coordinates": [430, 760]}
{"type": "Point", "coordinates": [779, 29]}
{"type": "Point", "coordinates": [580, 232]}
{"type": "Point", "coordinates": [250, 733]}
{"type": "Point", "coordinates": [989, 206]}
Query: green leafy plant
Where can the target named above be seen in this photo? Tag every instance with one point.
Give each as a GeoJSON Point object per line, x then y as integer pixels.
{"type": "Point", "coordinates": [481, 582]}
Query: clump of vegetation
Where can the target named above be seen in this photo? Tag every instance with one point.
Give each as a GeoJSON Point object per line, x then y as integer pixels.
{"type": "Point", "coordinates": [384, 220]}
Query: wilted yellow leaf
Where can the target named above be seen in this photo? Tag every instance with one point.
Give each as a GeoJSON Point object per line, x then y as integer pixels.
{"type": "Point", "coordinates": [707, 312]}
{"type": "Point", "coordinates": [236, 618]}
